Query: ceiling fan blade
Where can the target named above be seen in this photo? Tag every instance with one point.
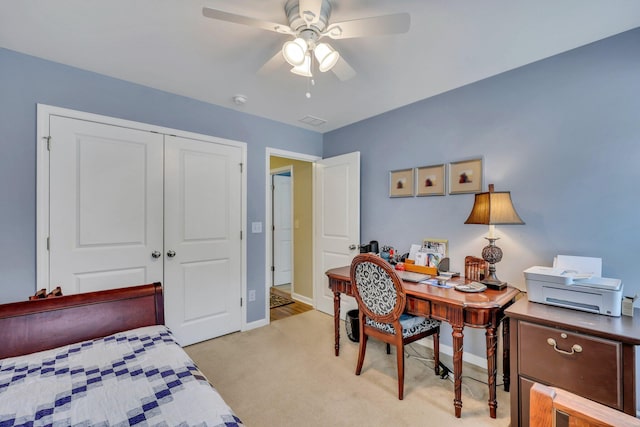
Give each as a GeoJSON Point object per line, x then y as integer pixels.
{"type": "Point", "coordinates": [343, 70]}
{"type": "Point", "coordinates": [377, 25]}
{"type": "Point", "coordinates": [275, 62]}
{"type": "Point", "coordinates": [309, 10]}
{"type": "Point", "coordinates": [245, 20]}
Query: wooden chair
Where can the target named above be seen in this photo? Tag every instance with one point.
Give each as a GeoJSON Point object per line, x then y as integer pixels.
{"type": "Point", "coordinates": [381, 302]}
{"type": "Point", "coordinates": [475, 268]}
{"type": "Point", "coordinates": [553, 406]}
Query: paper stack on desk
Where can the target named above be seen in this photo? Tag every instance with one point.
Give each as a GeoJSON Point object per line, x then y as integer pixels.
{"type": "Point", "coordinates": [579, 267]}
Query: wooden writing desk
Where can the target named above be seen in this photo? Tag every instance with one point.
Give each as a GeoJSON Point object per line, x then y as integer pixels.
{"type": "Point", "coordinates": [459, 309]}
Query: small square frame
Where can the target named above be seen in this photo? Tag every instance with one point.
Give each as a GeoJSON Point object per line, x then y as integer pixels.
{"type": "Point", "coordinates": [401, 183]}
{"type": "Point", "coordinates": [465, 176]}
{"type": "Point", "coordinates": [431, 180]}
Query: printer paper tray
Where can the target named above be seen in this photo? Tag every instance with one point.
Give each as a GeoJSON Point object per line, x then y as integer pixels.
{"type": "Point", "coordinates": [578, 299]}
{"type": "Point", "coordinates": [572, 299]}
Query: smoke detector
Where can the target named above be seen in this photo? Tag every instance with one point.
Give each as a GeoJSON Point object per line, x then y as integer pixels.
{"type": "Point", "coordinates": [239, 99]}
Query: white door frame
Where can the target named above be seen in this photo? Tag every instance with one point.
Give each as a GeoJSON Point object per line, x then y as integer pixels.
{"type": "Point", "coordinates": [42, 183]}
{"type": "Point", "coordinates": [268, 216]}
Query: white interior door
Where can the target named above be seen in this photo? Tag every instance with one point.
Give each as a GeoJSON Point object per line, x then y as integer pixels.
{"type": "Point", "coordinates": [203, 268]}
{"type": "Point", "coordinates": [282, 235]}
{"type": "Point", "coordinates": [337, 219]}
{"type": "Point", "coordinates": [105, 208]}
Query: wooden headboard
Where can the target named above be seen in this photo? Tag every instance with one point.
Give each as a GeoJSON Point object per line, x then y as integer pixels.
{"type": "Point", "coordinates": [30, 326]}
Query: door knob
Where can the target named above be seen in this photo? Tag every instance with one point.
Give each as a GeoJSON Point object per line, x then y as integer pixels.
{"type": "Point", "coordinates": [353, 247]}
{"type": "Point", "coordinates": [156, 254]}
{"type": "Point", "coordinates": [171, 254]}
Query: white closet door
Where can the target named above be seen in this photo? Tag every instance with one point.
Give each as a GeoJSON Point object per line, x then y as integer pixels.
{"type": "Point", "coordinates": [282, 231]}
{"type": "Point", "coordinates": [105, 206]}
{"type": "Point", "coordinates": [203, 193]}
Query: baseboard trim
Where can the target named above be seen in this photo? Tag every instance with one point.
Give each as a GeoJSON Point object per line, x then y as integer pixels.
{"type": "Point", "coordinates": [257, 324]}
{"type": "Point", "coordinates": [302, 299]}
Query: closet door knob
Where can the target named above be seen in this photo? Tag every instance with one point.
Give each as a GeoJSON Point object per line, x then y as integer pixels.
{"type": "Point", "coordinates": [156, 254]}
{"type": "Point", "coordinates": [171, 254]}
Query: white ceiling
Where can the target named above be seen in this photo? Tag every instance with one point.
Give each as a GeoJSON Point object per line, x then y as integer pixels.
{"type": "Point", "coordinates": [169, 45]}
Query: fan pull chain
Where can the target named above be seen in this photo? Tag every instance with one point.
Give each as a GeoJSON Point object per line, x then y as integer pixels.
{"type": "Point", "coordinates": [310, 80]}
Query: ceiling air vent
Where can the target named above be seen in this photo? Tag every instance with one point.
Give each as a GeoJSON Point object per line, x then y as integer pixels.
{"type": "Point", "coordinates": [313, 121]}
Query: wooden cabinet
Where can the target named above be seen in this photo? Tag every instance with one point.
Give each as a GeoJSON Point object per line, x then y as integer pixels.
{"type": "Point", "coordinates": [590, 355]}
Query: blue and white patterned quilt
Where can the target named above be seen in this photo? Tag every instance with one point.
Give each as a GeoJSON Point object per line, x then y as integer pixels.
{"type": "Point", "coordinates": [140, 377]}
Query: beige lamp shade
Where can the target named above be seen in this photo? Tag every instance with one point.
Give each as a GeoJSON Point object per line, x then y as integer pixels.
{"type": "Point", "coordinates": [493, 208]}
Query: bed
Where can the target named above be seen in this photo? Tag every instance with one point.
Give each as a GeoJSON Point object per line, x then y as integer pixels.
{"type": "Point", "coordinates": [100, 358]}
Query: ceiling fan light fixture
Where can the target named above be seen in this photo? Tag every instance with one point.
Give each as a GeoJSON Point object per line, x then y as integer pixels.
{"type": "Point", "coordinates": [294, 51]}
{"type": "Point", "coordinates": [326, 56]}
{"type": "Point", "coordinates": [303, 69]}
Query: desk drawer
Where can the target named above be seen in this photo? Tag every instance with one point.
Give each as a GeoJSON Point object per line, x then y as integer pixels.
{"type": "Point", "coordinates": [418, 307]}
{"type": "Point", "coordinates": [588, 366]}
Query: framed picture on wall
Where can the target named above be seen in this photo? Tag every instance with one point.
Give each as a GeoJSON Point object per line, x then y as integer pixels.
{"type": "Point", "coordinates": [430, 180]}
{"type": "Point", "coordinates": [465, 176]}
{"type": "Point", "coordinates": [401, 183]}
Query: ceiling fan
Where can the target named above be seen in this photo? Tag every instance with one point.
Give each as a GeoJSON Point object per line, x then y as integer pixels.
{"type": "Point", "coordinates": [308, 24]}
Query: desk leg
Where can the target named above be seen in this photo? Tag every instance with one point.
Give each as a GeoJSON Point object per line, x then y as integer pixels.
{"type": "Point", "coordinates": [506, 354]}
{"type": "Point", "coordinates": [492, 346]}
{"type": "Point", "coordinates": [457, 368]}
{"type": "Point", "coordinates": [336, 320]}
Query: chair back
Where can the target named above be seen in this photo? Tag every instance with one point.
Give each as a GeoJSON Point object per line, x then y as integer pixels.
{"type": "Point", "coordinates": [378, 288]}
{"type": "Point", "coordinates": [475, 268]}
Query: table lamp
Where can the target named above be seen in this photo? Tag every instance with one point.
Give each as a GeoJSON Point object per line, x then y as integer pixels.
{"type": "Point", "coordinates": [491, 208]}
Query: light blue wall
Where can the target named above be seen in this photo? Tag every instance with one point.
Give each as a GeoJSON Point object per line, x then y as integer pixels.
{"type": "Point", "coordinates": [26, 81]}
{"type": "Point", "coordinates": [562, 134]}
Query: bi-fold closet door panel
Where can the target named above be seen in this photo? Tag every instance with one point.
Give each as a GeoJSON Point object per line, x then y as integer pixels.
{"type": "Point", "coordinates": [130, 206]}
{"type": "Point", "coordinates": [203, 191]}
{"type": "Point", "coordinates": [105, 206]}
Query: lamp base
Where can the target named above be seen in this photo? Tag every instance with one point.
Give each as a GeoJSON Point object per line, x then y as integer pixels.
{"type": "Point", "coordinates": [492, 254]}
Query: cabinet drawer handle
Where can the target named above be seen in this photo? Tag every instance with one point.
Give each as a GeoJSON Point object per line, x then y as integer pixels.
{"type": "Point", "coordinates": [574, 348]}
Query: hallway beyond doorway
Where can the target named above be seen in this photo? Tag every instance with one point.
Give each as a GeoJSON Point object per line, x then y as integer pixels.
{"type": "Point", "coordinates": [288, 310]}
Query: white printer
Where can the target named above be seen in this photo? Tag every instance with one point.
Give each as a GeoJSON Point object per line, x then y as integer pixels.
{"type": "Point", "coordinates": [575, 282]}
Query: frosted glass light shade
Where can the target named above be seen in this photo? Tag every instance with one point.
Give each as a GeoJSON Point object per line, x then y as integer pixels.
{"type": "Point", "coordinates": [303, 69]}
{"type": "Point", "coordinates": [294, 51]}
{"type": "Point", "coordinates": [326, 56]}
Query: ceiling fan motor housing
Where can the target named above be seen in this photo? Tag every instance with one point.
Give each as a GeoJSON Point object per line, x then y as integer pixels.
{"type": "Point", "coordinates": [310, 36]}
{"type": "Point", "coordinates": [298, 24]}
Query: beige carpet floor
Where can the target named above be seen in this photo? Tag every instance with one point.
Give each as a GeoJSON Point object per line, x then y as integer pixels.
{"type": "Point", "coordinates": [286, 374]}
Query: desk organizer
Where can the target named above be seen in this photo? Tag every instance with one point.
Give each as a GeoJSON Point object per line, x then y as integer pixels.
{"type": "Point", "coordinates": [410, 265]}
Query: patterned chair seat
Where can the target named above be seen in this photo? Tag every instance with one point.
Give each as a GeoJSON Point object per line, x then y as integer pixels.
{"type": "Point", "coordinates": [411, 325]}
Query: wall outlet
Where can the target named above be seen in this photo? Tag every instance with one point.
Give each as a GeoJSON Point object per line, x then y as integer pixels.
{"type": "Point", "coordinates": [256, 227]}
{"type": "Point", "coordinates": [252, 295]}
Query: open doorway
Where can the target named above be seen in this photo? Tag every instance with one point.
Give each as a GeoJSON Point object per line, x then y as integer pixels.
{"type": "Point", "coordinates": [289, 231]}
{"type": "Point", "coordinates": [281, 227]}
